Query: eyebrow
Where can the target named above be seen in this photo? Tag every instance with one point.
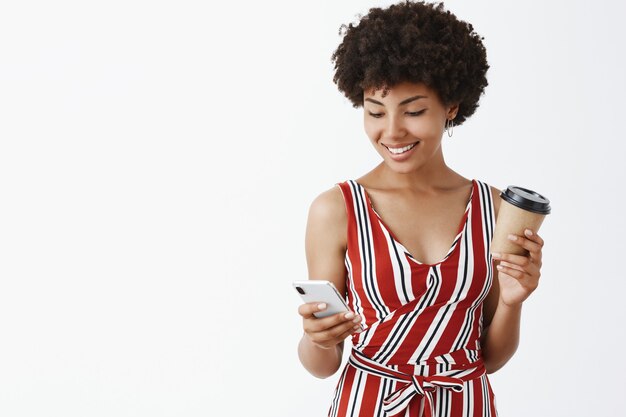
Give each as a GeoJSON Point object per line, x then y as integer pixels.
{"type": "Point", "coordinates": [403, 102]}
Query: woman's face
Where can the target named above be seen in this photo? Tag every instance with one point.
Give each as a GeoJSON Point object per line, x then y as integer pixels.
{"type": "Point", "coordinates": [410, 113]}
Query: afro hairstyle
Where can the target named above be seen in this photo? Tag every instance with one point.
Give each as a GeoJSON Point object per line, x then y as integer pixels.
{"type": "Point", "coordinates": [416, 42]}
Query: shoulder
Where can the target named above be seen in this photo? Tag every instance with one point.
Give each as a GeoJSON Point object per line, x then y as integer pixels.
{"type": "Point", "coordinates": [328, 211]}
{"type": "Point", "coordinates": [329, 204]}
{"type": "Point", "coordinates": [495, 196]}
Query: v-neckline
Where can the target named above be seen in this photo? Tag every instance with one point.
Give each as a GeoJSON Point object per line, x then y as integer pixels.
{"type": "Point", "coordinates": [460, 229]}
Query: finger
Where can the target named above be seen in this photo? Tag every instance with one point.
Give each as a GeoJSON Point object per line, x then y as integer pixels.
{"type": "Point", "coordinates": [307, 310]}
{"type": "Point", "coordinates": [513, 266]}
{"type": "Point", "coordinates": [530, 234]}
{"type": "Point", "coordinates": [325, 323]}
{"type": "Point", "coordinates": [515, 273]}
{"type": "Point", "coordinates": [536, 254]}
{"type": "Point", "coordinates": [351, 331]}
{"type": "Point", "coordinates": [511, 258]}
{"type": "Point", "coordinates": [533, 247]}
{"type": "Point", "coordinates": [337, 331]}
{"type": "Point", "coordinates": [338, 339]}
{"type": "Point", "coordinates": [530, 268]}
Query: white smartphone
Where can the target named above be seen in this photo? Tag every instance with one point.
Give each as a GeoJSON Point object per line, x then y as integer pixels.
{"type": "Point", "coordinates": [321, 291]}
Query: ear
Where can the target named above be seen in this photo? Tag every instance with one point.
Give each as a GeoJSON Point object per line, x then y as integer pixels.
{"type": "Point", "coordinates": [453, 110]}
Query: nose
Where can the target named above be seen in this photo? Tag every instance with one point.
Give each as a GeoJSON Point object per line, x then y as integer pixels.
{"type": "Point", "coordinates": [395, 128]}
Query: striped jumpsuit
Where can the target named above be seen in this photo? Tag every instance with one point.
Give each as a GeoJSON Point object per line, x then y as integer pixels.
{"type": "Point", "coordinates": [420, 353]}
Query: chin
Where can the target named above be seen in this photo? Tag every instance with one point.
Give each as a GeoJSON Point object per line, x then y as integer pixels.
{"type": "Point", "coordinates": [400, 168]}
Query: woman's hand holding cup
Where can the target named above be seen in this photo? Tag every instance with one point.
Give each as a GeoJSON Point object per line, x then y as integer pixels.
{"type": "Point", "coordinates": [518, 274]}
{"type": "Point", "coordinates": [329, 331]}
{"type": "Point", "coordinates": [516, 243]}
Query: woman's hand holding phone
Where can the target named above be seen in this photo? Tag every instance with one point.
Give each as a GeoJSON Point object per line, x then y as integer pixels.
{"type": "Point", "coordinates": [329, 331]}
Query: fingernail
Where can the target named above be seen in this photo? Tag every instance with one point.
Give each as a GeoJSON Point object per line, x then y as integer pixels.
{"type": "Point", "coordinates": [495, 254]}
{"type": "Point", "coordinates": [321, 306]}
{"type": "Point", "coordinates": [357, 319]}
{"type": "Point", "coordinates": [349, 315]}
{"type": "Point", "coordinates": [528, 232]}
{"type": "Point", "coordinates": [499, 266]}
{"type": "Point", "coordinates": [512, 237]}
{"type": "Point", "coordinates": [358, 329]}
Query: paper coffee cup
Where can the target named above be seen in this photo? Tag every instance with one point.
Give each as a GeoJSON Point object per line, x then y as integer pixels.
{"type": "Point", "coordinates": [520, 209]}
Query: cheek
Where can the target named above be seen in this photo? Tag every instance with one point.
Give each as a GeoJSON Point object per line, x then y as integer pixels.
{"type": "Point", "coordinates": [426, 128]}
{"type": "Point", "coordinates": [372, 129]}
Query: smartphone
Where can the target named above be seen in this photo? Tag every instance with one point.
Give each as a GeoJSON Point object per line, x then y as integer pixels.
{"type": "Point", "coordinates": [322, 291]}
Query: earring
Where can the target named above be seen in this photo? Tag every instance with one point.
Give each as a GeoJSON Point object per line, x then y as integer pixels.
{"type": "Point", "coordinates": [450, 126]}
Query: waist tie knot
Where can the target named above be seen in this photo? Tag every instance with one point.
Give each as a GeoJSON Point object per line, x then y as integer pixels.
{"type": "Point", "coordinates": [411, 385]}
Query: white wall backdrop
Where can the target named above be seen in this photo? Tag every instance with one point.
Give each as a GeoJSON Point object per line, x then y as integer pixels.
{"type": "Point", "coordinates": [157, 162]}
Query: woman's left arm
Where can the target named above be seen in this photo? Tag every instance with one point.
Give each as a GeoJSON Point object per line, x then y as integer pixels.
{"type": "Point", "coordinates": [518, 276]}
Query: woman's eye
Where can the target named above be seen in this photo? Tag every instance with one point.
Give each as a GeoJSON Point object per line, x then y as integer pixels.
{"type": "Point", "coordinates": [416, 113]}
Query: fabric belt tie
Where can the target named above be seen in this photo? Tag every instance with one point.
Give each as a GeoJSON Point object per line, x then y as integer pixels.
{"type": "Point", "coordinates": [396, 402]}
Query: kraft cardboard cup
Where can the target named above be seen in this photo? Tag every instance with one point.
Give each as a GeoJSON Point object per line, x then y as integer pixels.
{"type": "Point", "coordinates": [520, 209]}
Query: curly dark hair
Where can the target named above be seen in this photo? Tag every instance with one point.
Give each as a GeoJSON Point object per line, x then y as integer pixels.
{"type": "Point", "coordinates": [417, 42]}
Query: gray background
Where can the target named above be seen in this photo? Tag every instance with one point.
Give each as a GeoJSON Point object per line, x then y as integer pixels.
{"type": "Point", "coordinates": [157, 162]}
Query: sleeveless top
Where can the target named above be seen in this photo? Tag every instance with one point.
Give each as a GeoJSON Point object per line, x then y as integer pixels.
{"type": "Point", "coordinates": [423, 322]}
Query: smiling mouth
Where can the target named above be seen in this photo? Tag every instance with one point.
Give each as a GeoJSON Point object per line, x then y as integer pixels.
{"type": "Point", "coordinates": [401, 150]}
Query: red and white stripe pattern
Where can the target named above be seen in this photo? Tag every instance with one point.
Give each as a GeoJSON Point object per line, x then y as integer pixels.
{"type": "Point", "coordinates": [421, 320]}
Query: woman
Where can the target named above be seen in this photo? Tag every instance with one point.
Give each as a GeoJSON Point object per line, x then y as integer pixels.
{"type": "Point", "coordinates": [419, 279]}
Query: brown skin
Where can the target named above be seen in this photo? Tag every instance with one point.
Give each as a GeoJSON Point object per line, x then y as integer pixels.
{"type": "Point", "coordinates": [422, 201]}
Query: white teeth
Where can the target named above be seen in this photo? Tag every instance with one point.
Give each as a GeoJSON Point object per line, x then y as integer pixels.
{"type": "Point", "coordinates": [397, 151]}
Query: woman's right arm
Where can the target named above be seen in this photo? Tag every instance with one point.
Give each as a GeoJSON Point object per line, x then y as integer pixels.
{"type": "Point", "coordinates": [321, 347]}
